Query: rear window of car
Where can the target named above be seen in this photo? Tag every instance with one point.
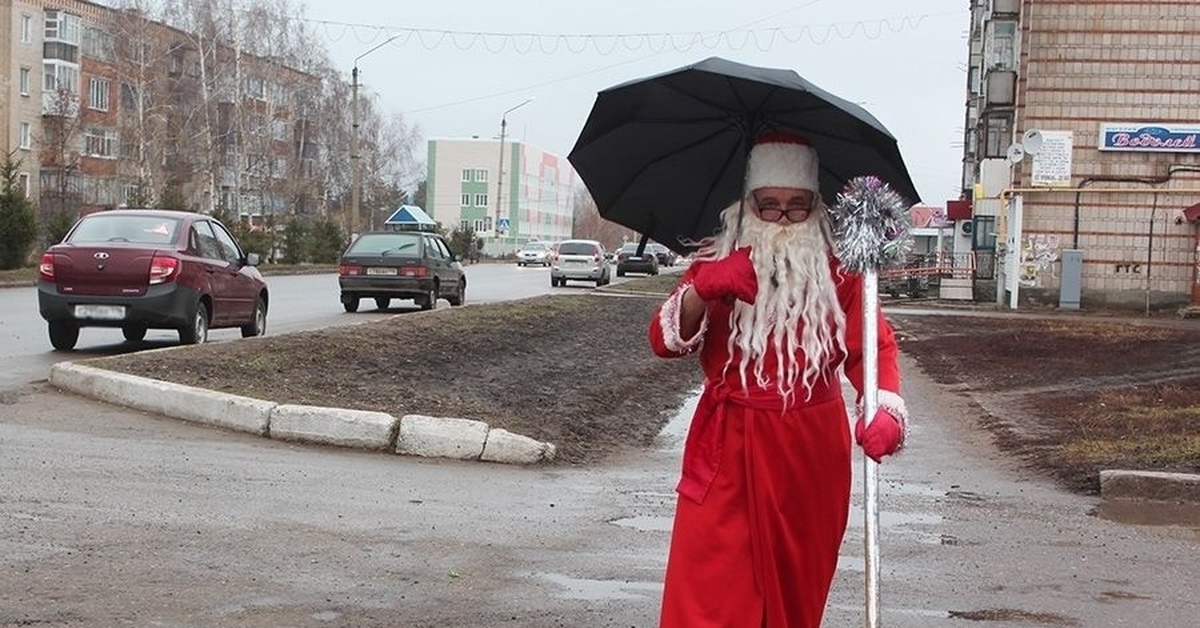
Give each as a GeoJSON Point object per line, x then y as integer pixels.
{"type": "Point", "coordinates": [576, 248]}
{"type": "Point", "coordinates": [134, 229]}
{"type": "Point", "coordinates": [387, 245]}
{"type": "Point", "coordinates": [630, 248]}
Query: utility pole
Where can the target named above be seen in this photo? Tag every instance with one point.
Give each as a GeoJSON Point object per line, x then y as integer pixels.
{"type": "Point", "coordinates": [355, 158]}
{"type": "Point", "coordinates": [500, 171]}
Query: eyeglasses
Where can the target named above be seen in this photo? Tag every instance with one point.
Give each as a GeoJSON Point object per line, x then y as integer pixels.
{"type": "Point", "coordinates": [796, 209]}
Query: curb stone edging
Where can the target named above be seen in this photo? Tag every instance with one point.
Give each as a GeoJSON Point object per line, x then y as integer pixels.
{"type": "Point", "coordinates": [412, 434]}
{"type": "Point", "coordinates": [1150, 485]}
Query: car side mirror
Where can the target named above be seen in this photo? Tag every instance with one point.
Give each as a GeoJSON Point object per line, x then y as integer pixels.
{"type": "Point", "coordinates": [253, 259]}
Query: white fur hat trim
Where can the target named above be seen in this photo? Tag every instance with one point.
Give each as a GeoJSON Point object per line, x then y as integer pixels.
{"type": "Point", "coordinates": [782, 162]}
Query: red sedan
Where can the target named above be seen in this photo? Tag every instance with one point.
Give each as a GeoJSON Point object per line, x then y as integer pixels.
{"type": "Point", "coordinates": [139, 269]}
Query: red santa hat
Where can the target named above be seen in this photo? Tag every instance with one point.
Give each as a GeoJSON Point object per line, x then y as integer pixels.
{"type": "Point", "coordinates": [782, 160]}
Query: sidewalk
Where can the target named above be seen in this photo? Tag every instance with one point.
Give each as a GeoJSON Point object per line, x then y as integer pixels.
{"type": "Point", "coordinates": [968, 534]}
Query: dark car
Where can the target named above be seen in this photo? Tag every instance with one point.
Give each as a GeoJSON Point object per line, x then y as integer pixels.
{"type": "Point", "coordinates": [139, 269]}
{"type": "Point", "coordinates": [628, 260]}
{"type": "Point", "coordinates": [666, 257]}
{"type": "Point", "coordinates": [386, 265]}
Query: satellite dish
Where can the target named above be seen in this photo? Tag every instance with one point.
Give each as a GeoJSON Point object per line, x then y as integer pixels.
{"type": "Point", "coordinates": [1015, 153]}
{"type": "Point", "coordinates": [1032, 141]}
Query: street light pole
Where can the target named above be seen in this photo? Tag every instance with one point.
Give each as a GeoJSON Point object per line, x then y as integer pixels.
{"type": "Point", "coordinates": [500, 171]}
{"type": "Point", "coordinates": [355, 158]}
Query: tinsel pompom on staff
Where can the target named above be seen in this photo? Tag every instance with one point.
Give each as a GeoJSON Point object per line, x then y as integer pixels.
{"type": "Point", "coordinates": [871, 225]}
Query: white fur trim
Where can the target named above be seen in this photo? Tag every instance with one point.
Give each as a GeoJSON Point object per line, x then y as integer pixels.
{"type": "Point", "coordinates": [668, 319]}
{"type": "Point", "coordinates": [894, 404]}
{"type": "Point", "coordinates": [782, 165]}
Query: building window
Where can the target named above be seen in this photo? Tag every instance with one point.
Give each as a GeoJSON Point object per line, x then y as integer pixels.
{"type": "Point", "coordinates": [480, 175]}
{"type": "Point", "coordinates": [56, 76]}
{"type": "Point", "coordinates": [25, 136]}
{"type": "Point", "coordinates": [62, 26]}
{"type": "Point", "coordinates": [997, 135]}
{"type": "Point", "coordinates": [984, 233]}
{"type": "Point", "coordinates": [26, 75]}
{"type": "Point", "coordinates": [481, 200]}
{"type": "Point", "coordinates": [23, 183]}
{"type": "Point", "coordinates": [98, 90]}
{"type": "Point", "coordinates": [466, 200]}
{"type": "Point", "coordinates": [1002, 45]}
{"type": "Point", "coordinates": [466, 176]}
{"type": "Point", "coordinates": [464, 225]}
{"type": "Point", "coordinates": [100, 143]}
{"type": "Point", "coordinates": [26, 29]}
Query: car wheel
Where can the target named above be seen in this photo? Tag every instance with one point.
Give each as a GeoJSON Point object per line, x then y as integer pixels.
{"type": "Point", "coordinates": [134, 333]}
{"type": "Point", "coordinates": [620, 273]}
{"type": "Point", "coordinates": [382, 302]}
{"type": "Point", "coordinates": [429, 300]}
{"type": "Point", "coordinates": [460, 295]}
{"type": "Point", "coordinates": [63, 335]}
{"type": "Point", "coordinates": [197, 332]}
{"type": "Point", "coordinates": [350, 304]}
{"type": "Point", "coordinates": [259, 326]}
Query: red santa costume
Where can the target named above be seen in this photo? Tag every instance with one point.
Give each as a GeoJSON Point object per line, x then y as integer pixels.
{"type": "Point", "coordinates": [765, 486]}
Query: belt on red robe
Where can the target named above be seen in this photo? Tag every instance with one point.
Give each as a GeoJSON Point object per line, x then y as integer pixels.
{"type": "Point", "coordinates": [706, 437]}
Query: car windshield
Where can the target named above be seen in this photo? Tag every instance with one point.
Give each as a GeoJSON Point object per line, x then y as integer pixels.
{"type": "Point", "coordinates": [535, 246]}
{"type": "Point", "coordinates": [135, 229]}
{"type": "Point", "coordinates": [387, 244]}
{"type": "Point", "coordinates": [576, 248]}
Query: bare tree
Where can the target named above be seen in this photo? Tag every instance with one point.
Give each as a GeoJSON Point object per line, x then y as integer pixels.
{"type": "Point", "coordinates": [60, 156]}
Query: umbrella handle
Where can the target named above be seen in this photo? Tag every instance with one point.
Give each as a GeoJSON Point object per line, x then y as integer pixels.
{"type": "Point", "coordinates": [870, 305]}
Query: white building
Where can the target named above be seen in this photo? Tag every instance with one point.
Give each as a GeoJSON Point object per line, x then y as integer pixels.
{"type": "Point", "coordinates": [533, 200]}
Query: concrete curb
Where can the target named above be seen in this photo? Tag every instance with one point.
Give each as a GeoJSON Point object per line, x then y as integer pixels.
{"type": "Point", "coordinates": [412, 434]}
{"type": "Point", "coordinates": [1150, 485]}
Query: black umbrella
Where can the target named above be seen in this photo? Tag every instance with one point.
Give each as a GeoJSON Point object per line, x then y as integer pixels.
{"type": "Point", "coordinates": [665, 154]}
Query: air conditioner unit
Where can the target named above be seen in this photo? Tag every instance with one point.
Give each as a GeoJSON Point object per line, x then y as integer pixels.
{"type": "Point", "coordinates": [967, 227]}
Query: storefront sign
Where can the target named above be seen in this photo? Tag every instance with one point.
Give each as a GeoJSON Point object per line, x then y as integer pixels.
{"type": "Point", "coordinates": [1149, 137]}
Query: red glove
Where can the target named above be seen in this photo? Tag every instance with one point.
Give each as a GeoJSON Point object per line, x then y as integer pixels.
{"type": "Point", "coordinates": [883, 437]}
{"type": "Point", "coordinates": [732, 276]}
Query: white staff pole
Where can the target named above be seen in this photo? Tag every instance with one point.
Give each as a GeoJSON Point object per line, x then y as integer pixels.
{"type": "Point", "coordinates": [871, 228]}
{"type": "Point", "coordinates": [870, 305]}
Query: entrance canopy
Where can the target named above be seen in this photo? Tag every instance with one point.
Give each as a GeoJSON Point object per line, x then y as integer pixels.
{"type": "Point", "coordinates": [410, 218]}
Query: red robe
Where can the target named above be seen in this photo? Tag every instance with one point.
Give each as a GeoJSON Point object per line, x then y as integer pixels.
{"type": "Point", "coordinates": [765, 490]}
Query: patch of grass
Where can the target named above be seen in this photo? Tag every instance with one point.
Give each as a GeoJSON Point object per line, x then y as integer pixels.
{"type": "Point", "coordinates": [653, 284]}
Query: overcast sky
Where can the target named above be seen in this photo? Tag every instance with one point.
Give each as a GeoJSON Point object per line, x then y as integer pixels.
{"type": "Point", "coordinates": [903, 61]}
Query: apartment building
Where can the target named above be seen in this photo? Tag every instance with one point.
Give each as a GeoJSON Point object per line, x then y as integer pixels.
{"type": "Point", "coordinates": [1082, 151]}
{"type": "Point", "coordinates": [534, 199]}
{"type": "Point", "coordinates": [107, 107]}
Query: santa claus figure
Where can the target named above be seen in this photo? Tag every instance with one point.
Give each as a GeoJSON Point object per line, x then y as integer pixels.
{"type": "Point", "coordinates": [765, 489]}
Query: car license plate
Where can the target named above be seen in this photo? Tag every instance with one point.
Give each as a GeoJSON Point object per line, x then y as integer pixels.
{"type": "Point", "coordinates": [381, 271]}
{"type": "Point", "coordinates": [100, 312]}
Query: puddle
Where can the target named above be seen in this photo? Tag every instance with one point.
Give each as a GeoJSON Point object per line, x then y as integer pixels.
{"type": "Point", "coordinates": [672, 435]}
{"type": "Point", "coordinates": [891, 610]}
{"type": "Point", "coordinates": [645, 523]}
{"type": "Point", "coordinates": [585, 589]}
{"type": "Point", "coordinates": [1186, 517]}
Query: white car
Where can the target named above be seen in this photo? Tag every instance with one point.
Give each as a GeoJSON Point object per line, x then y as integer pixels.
{"type": "Point", "coordinates": [582, 260]}
{"type": "Point", "coordinates": [534, 253]}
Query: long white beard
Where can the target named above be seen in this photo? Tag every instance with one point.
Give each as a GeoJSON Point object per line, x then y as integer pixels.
{"type": "Point", "coordinates": [796, 315]}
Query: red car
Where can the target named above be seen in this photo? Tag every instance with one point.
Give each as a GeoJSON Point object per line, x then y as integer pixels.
{"type": "Point", "coordinates": [139, 269]}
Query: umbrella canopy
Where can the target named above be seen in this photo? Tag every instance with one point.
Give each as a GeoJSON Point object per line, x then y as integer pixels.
{"type": "Point", "coordinates": [665, 154]}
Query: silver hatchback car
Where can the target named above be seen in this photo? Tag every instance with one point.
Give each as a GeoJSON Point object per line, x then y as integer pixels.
{"type": "Point", "coordinates": [580, 260]}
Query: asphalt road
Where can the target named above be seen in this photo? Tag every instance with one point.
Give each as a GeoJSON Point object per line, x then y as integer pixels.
{"type": "Point", "coordinates": [298, 302]}
{"type": "Point", "coordinates": [110, 517]}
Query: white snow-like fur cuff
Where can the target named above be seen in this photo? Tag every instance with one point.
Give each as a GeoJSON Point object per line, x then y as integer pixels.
{"type": "Point", "coordinates": [668, 319]}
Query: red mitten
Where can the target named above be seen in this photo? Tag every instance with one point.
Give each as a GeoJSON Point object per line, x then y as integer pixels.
{"type": "Point", "coordinates": [883, 437]}
{"type": "Point", "coordinates": [732, 276]}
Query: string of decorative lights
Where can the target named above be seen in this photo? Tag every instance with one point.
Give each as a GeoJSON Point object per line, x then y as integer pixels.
{"type": "Point", "coordinates": [496, 42]}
